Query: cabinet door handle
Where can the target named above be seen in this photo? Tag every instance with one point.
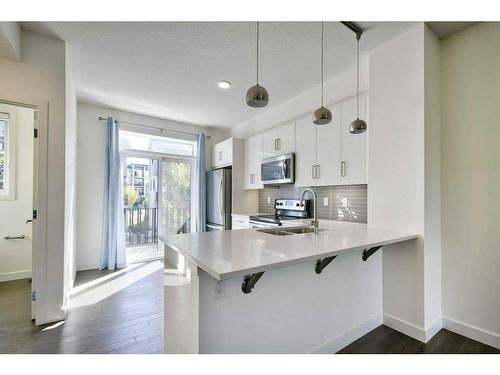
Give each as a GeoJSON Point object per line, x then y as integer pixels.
{"type": "Point", "coordinates": [220, 155]}
{"type": "Point", "coordinates": [342, 169]}
{"type": "Point", "coordinates": [279, 143]}
{"type": "Point", "coordinates": [318, 170]}
{"type": "Point", "coordinates": [313, 174]}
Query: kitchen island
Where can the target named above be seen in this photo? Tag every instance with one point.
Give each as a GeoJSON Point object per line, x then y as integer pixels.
{"type": "Point", "coordinates": [259, 291]}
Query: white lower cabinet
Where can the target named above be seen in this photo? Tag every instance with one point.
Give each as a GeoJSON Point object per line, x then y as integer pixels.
{"type": "Point", "coordinates": [253, 157]}
{"type": "Point", "coordinates": [240, 222]}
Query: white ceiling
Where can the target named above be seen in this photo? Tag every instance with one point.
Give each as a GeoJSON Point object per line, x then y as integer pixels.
{"type": "Point", "coordinates": [171, 69]}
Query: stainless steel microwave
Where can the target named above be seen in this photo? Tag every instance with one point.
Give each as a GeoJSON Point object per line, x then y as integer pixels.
{"type": "Point", "coordinates": [278, 170]}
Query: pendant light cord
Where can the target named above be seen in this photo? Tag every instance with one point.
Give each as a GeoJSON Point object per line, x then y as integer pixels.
{"type": "Point", "coordinates": [357, 81]}
{"type": "Point", "coordinates": [257, 52]}
{"type": "Point", "coordinates": [322, 47]}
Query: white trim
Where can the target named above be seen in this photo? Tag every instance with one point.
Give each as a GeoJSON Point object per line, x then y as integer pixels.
{"type": "Point", "coordinates": [349, 336]}
{"type": "Point", "coordinates": [88, 266]}
{"type": "Point", "coordinates": [17, 275]}
{"type": "Point", "coordinates": [412, 330]}
{"type": "Point", "coordinates": [433, 328]}
{"type": "Point", "coordinates": [472, 332]}
{"type": "Point", "coordinates": [9, 194]}
{"type": "Point", "coordinates": [405, 327]}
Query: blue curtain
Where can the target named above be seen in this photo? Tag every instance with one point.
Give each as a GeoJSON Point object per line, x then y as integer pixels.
{"type": "Point", "coordinates": [113, 250]}
{"type": "Point", "coordinates": [201, 184]}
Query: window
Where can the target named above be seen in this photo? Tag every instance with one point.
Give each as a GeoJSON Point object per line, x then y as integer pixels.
{"type": "Point", "coordinates": [130, 141]}
{"type": "Point", "coordinates": [6, 158]}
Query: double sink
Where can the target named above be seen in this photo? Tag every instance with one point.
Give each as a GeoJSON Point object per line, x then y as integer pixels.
{"type": "Point", "coordinates": [288, 231]}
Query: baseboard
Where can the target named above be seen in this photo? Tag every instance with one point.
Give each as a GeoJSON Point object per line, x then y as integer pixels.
{"type": "Point", "coordinates": [433, 328]}
{"type": "Point", "coordinates": [8, 276]}
{"type": "Point", "coordinates": [405, 327]}
{"type": "Point", "coordinates": [472, 332]}
{"type": "Point", "coordinates": [88, 266]}
{"type": "Point", "coordinates": [349, 336]}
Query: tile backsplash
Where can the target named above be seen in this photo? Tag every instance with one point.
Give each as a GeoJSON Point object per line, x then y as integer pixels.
{"type": "Point", "coordinates": [346, 202]}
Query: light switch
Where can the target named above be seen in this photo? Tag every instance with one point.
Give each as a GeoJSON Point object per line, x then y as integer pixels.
{"type": "Point", "coordinates": [325, 201]}
{"type": "Point", "coordinates": [268, 200]}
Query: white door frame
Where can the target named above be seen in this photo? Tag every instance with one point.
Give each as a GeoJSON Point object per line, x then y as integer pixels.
{"type": "Point", "coordinates": [39, 230]}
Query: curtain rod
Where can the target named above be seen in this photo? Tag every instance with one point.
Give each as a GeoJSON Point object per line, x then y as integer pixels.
{"type": "Point", "coordinates": [152, 127]}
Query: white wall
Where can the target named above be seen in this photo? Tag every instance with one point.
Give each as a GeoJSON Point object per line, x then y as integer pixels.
{"type": "Point", "coordinates": [292, 309]}
{"type": "Point", "coordinates": [399, 181]}
{"type": "Point", "coordinates": [15, 256]}
{"type": "Point", "coordinates": [471, 181]}
{"type": "Point", "coordinates": [10, 40]}
{"type": "Point", "coordinates": [337, 89]}
{"type": "Point", "coordinates": [91, 145]}
{"type": "Point", "coordinates": [40, 77]}
{"type": "Point", "coordinates": [70, 177]}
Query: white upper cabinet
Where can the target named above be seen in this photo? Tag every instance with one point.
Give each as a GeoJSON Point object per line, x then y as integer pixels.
{"type": "Point", "coordinates": [222, 153]}
{"type": "Point", "coordinates": [305, 152]}
{"type": "Point", "coordinates": [329, 154]}
{"type": "Point", "coordinates": [318, 151]}
{"type": "Point", "coordinates": [353, 163]}
{"type": "Point", "coordinates": [328, 150]}
{"type": "Point", "coordinates": [279, 140]}
{"type": "Point", "coordinates": [253, 156]}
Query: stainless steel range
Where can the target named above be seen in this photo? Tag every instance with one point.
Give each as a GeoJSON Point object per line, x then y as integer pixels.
{"type": "Point", "coordinates": [284, 209]}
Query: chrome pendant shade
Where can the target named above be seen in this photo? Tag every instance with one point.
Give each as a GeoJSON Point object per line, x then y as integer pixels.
{"type": "Point", "coordinates": [358, 126]}
{"type": "Point", "coordinates": [257, 96]}
{"type": "Point", "coordinates": [322, 115]}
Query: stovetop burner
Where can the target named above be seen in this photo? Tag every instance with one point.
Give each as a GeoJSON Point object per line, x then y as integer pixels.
{"type": "Point", "coordinates": [285, 209]}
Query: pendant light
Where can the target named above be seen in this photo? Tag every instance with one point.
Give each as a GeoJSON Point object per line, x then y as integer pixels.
{"type": "Point", "coordinates": [257, 96]}
{"type": "Point", "coordinates": [358, 126]}
{"type": "Point", "coordinates": [322, 115]}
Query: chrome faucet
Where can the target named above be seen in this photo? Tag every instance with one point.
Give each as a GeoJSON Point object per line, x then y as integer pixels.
{"type": "Point", "coordinates": [314, 222]}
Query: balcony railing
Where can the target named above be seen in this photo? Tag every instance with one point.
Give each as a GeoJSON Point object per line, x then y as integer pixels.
{"type": "Point", "coordinates": [141, 224]}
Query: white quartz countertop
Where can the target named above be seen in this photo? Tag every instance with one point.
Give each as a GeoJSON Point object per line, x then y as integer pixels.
{"type": "Point", "coordinates": [229, 254]}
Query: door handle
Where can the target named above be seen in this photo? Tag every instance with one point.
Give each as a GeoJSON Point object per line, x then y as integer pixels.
{"type": "Point", "coordinates": [220, 198]}
{"type": "Point", "coordinates": [220, 155]}
{"type": "Point", "coordinates": [313, 173]}
{"type": "Point", "coordinates": [342, 169]}
{"type": "Point", "coordinates": [21, 237]}
{"type": "Point", "coordinates": [29, 221]}
{"type": "Point", "coordinates": [318, 170]}
{"type": "Point", "coordinates": [278, 142]}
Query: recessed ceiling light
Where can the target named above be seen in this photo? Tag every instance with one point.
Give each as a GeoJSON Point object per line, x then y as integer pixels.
{"type": "Point", "coordinates": [224, 84]}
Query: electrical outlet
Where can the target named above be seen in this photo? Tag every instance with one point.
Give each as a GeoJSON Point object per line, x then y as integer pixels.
{"type": "Point", "coordinates": [325, 201]}
{"type": "Point", "coordinates": [220, 289]}
{"type": "Point", "coordinates": [344, 202]}
{"type": "Point", "coordinates": [268, 200]}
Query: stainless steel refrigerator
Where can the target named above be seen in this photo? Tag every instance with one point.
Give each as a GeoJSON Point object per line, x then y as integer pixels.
{"type": "Point", "coordinates": [218, 200]}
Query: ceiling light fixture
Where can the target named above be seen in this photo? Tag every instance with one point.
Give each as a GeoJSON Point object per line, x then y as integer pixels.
{"type": "Point", "coordinates": [358, 126]}
{"type": "Point", "coordinates": [224, 84]}
{"type": "Point", "coordinates": [257, 96]}
{"type": "Point", "coordinates": [322, 115]}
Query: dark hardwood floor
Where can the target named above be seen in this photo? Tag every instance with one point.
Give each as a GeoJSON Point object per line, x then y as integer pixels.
{"type": "Point", "coordinates": [385, 340]}
{"type": "Point", "coordinates": [113, 312]}
{"type": "Point", "coordinates": [122, 312]}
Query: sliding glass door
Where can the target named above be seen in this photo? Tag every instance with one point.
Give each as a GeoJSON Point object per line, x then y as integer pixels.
{"type": "Point", "coordinates": [176, 196]}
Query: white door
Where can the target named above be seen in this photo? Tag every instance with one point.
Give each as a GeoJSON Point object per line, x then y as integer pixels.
{"type": "Point", "coordinates": [305, 152]}
{"type": "Point", "coordinates": [253, 158]}
{"type": "Point", "coordinates": [279, 140]}
{"type": "Point", "coordinates": [353, 145]}
{"type": "Point", "coordinates": [329, 150]}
